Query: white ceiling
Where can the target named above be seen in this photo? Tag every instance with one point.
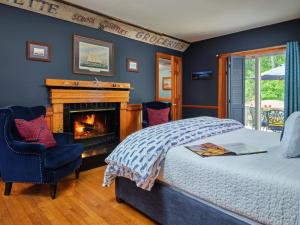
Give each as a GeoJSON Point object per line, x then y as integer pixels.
{"type": "Point", "coordinates": [194, 20]}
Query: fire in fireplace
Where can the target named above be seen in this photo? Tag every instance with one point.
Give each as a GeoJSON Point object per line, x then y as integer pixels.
{"type": "Point", "coordinates": [96, 126]}
{"type": "Point", "coordinates": [90, 125]}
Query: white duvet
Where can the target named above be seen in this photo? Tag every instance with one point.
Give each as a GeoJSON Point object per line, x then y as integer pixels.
{"type": "Point", "coordinates": [263, 187]}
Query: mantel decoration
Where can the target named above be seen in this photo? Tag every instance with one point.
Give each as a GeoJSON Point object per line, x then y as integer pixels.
{"type": "Point", "coordinates": [37, 51]}
{"type": "Point", "coordinates": [92, 57]}
{"type": "Point", "coordinates": [79, 15]}
{"type": "Point", "coordinates": [132, 65]}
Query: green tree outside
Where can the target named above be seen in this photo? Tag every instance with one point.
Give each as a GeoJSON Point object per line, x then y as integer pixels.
{"type": "Point", "coordinates": [270, 89]}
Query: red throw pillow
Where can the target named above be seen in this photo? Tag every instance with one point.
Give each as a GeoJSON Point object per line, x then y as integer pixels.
{"type": "Point", "coordinates": [158, 116]}
{"type": "Point", "coordinates": [35, 131]}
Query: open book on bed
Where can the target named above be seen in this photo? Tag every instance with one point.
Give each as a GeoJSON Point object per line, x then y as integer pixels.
{"type": "Point", "coordinates": [210, 149]}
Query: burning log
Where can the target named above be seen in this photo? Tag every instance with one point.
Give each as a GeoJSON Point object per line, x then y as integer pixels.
{"type": "Point", "coordinates": [87, 126]}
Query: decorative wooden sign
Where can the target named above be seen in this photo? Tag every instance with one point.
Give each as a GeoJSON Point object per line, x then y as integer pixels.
{"type": "Point", "coordinates": [76, 14]}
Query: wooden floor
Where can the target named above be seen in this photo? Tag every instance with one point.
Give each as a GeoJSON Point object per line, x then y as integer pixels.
{"type": "Point", "coordinates": [82, 201]}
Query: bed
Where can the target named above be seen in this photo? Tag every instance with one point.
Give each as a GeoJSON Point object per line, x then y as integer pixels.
{"type": "Point", "coordinates": [252, 189]}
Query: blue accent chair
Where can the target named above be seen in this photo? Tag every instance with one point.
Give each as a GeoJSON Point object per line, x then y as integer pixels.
{"type": "Point", "coordinates": [28, 162]}
{"type": "Point", "coordinates": [154, 105]}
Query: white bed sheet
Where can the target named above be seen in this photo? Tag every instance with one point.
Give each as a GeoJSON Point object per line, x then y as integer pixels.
{"type": "Point", "coordinates": [262, 187]}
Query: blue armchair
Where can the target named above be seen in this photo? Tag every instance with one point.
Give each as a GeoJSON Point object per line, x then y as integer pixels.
{"type": "Point", "coordinates": [154, 105]}
{"type": "Point", "coordinates": [27, 162]}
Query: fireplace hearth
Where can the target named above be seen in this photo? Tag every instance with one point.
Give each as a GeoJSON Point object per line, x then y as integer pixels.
{"type": "Point", "coordinates": [96, 126]}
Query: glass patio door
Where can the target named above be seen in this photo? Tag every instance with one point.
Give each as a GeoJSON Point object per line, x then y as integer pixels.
{"type": "Point", "coordinates": [264, 92]}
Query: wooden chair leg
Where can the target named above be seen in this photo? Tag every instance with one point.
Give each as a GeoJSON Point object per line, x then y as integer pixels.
{"type": "Point", "coordinates": [8, 187]}
{"type": "Point", "coordinates": [77, 172]}
{"type": "Point", "coordinates": [53, 190]}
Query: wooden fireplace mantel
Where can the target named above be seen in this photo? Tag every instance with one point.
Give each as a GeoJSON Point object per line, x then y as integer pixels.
{"type": "Point", "coordinates": [74, 91]}
{"type": "Point", "coordinates": [64, 96]}
{"type": "Point", "coordinates": [85, 84]}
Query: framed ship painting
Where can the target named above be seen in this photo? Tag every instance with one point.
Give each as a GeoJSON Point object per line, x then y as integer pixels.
{"type": "Point", "coordinates": [92, 57]}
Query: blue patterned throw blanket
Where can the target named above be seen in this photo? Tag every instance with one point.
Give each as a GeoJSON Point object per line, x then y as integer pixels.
{"type": "Point", "coordinates": [140, 156]}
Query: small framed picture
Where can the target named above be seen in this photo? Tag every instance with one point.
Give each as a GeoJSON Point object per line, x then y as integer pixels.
{"type": "Point", "coordinates": [166, 83]}
{"type": "Point", "coordinates": [132, 65]}
{"type": "Point", "coordinates": [38, 51]}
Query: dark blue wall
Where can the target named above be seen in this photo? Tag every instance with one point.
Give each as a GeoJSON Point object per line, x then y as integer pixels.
{"type": "Point", "coordinates": [21, 80]}
{"type": "Point", "coordinates": [202, 56]}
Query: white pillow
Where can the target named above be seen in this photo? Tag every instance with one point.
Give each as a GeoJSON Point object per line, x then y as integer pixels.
{"type": "Point", "coordinates": [290, 142]}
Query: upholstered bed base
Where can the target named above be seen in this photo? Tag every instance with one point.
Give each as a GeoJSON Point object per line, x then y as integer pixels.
{"type": "Point", "coordinates": [167, 206]}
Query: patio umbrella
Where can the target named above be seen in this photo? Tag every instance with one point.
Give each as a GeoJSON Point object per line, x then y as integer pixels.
{"type": "Point", "coordinates": [276, 73]}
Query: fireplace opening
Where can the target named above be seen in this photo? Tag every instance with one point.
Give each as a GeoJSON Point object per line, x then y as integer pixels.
{"type": "Point", "coordinates": [92, 124]}
{"type": "Point", "coordinates": [96, 126]}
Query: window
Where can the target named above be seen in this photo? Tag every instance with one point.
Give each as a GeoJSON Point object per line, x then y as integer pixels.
{"type": "Point", "coordinates": [264, 91]}
{"type": "Point", "coordinates": [251, 87]}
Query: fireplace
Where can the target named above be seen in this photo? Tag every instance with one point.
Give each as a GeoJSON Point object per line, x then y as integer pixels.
{"type": "Point", "coordinates": [98, 112]}
{"type": "Point", "coordinates": [89, 124]}
{"type": "Point", "coordinates": [96, 126]}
